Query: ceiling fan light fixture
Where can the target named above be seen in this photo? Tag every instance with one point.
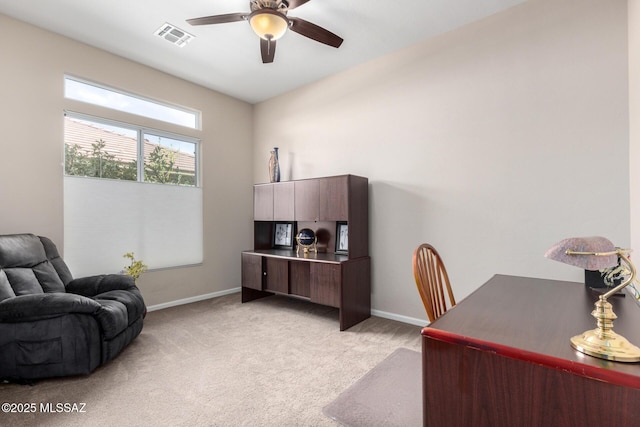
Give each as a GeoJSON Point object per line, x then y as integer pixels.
{"type": "Point", "coordinates": [268, 24]}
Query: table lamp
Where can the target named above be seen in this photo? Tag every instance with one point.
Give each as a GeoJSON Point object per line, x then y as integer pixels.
{"type": "Point", "coordinates": [598, 253]}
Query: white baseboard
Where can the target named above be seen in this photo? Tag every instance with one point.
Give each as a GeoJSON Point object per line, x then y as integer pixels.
{"type": "Point", "coordinates": [400, 318]}
{"type": "Point", "coordinates": [193, 299]}
{"type": "Point", "coordinates": [378, 313]}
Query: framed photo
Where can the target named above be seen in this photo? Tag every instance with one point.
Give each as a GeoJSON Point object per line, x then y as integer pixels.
{"type": "Point", "coordinates": [283, 235]}
{"type": "Point", "coordinates": [342, 237]}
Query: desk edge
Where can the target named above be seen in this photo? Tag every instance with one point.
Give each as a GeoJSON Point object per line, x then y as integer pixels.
{"type": "Point", "coordinates": [574, 367]}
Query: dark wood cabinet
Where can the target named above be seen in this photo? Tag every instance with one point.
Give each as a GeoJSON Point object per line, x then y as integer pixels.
{"type": "Point", "coordinates": [318, 204]}
{"type": "Point", "coordinates": [334, 198]}
{"type": "Point", "coordinates": [263, 203]}
{"type": "Point", "coordinates": [273, 202]}
{"type": "Point", "coordinates": [300, 279]}
{"type": "Point", "coordinates": [322, 199]}
{"type": "Point", "coordinates": [325, 284]}
{"type": "Point", "coordinates": [252, 272]}
{"type": "Point", "coordinates": [283, 201]}
{"type": "Point", "coordinates": [277, 275]}
{"type": "Point", "coordinates": [324, 277]}
{"type": "Point", "coordinates": [307, 193]}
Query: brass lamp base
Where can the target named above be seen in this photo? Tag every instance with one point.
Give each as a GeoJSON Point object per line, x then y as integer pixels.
{"type": "Point", "coordinates": [603, 342]}
{"type": "Point", "coordinates": [616, 347]}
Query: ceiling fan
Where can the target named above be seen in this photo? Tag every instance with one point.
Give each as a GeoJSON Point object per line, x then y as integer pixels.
{"type": "Point", "coordinates": [269, 20]}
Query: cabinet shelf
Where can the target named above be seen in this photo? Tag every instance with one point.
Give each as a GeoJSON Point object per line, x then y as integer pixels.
{"type": "Point", "coordinates": [326, 257]}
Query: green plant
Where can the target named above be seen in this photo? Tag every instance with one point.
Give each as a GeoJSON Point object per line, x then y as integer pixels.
{"type": "Point", "coordinates": [97, 162]}
{"type": "Point", "coordinates": [136, 268]}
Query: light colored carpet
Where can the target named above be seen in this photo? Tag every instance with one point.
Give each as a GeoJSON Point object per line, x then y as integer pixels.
{"type": "Point", "coordinates": [389, 395]}
{"type": "Point", "coordinates": [270, 362]}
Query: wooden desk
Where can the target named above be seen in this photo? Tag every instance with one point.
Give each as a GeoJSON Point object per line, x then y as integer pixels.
{"type": "Point", "coordinates": [502, 357]}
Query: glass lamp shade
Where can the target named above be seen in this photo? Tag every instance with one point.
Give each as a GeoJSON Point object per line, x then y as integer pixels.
{"type": "Point", "coordinates": [587, 248]}
{"type": "Point", "coordinates": [268, 24]}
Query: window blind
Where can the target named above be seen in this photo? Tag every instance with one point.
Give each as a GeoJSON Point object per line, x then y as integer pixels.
{"type": "Point", "coordinates": [104, 219]}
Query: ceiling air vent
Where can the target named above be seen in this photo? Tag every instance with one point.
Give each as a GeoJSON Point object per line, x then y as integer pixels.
{"type": "Point", "coordinates": [174, 34]}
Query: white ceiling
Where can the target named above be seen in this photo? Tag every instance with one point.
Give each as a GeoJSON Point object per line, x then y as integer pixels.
{"type": "Point", "coordinates": [226, 57]}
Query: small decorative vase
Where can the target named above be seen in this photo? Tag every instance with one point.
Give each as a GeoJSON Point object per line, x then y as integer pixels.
{"type": "Point", "coordinates": [274, 166]}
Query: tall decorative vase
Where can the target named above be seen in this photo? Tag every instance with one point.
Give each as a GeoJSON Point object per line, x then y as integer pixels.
{"type": "Point", "coordinates": [274, 166]}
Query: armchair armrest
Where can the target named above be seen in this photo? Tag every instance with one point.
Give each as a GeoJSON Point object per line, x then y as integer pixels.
{"type": "Point", "coordinates": [93, 285]}
{"type": "Point", "coordinates": [40, 306]}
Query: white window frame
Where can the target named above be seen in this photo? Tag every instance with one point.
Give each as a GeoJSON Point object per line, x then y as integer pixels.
{"type": "Point", "coordinates": [106, 218]}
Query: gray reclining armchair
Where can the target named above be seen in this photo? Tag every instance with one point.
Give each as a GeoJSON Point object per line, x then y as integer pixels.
{"type": "Point", "coordinates": [52, 325]}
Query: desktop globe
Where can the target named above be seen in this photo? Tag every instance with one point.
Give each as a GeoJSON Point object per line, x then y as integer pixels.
{"type": "Point", "coordinates": [306, 239]}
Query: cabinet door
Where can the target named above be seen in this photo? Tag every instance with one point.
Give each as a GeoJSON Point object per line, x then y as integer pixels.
{"type": "Point", "coordinates": [334, 198]}
{"type": "Point", "coordinates": [283, 201]}
{"type": "Point", "coordinates": [263, 202]}
{"type": "Point", "coordinates": [299, 278]}
{"type": "Point", "coordinates": [252, 271]}
{"type": "Point", "coordinates": [306, 200]}
{"type": "Point", "coordinates": [325, 284]}
{"type": "Point", "coordinates": [277, 275]}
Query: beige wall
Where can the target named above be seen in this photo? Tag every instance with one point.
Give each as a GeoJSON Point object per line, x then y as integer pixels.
{"type": "Point", "coordinates": [32, 65]}
{"type": "Point", "coordinates": [491, 142]}
{"type": "Point", "coordinates": [634, 123]}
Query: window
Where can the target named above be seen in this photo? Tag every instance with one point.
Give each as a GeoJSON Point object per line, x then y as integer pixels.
{"type": "Point", "coordinates": [168, 160]}
{"type": "Point", "coordinates": [129, 188]}
{"type": "Point", "coordinates": [117, 100]}
{"type": "Point", "coordinates": [99, 148]}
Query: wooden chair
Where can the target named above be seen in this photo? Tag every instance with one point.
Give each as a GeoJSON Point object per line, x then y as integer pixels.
{"type": "Point", "coordinates": [431, 280]}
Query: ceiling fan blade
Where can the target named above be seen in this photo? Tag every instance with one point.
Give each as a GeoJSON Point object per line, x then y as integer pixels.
{"type": "Point", "coordinates": [218, 19]}
{"type": "Point", "coordinates": [295, 3]}
{"type": "Point", "coordinates": [315, 32]}
{"type": "Point", "coordinates": [268, 50]}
